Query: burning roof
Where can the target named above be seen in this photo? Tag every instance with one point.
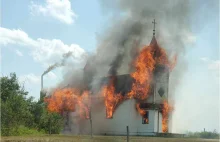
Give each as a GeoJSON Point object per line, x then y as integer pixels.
{"type": "Point", "coordinates": [148, 64]}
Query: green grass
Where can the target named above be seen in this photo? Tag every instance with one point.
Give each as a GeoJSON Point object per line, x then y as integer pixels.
{"type": "Point", "coordinates": [80, 138]}
{"type": "Point", "coordinates": [21, 131]}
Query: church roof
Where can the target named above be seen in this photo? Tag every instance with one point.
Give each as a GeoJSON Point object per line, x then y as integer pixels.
{"type": "Point", "coordinates": [153, 42]}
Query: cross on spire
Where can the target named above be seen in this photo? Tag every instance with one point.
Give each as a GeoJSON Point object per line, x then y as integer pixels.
{"type": "Point", "coordinates": [154, 22]}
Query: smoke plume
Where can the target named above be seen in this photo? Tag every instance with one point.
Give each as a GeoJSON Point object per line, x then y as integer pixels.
{"type": "Point", "coordinates": [129, 29]}
{"type": "Point", "coordinates": [59, 64]}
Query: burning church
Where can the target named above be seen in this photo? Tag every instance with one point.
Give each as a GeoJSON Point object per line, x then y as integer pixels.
{"type": "Point", "coordinates": [138, 99]}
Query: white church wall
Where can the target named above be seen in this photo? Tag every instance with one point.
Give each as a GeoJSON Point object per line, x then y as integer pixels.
{"type": "Point", "coordinates": [160, 123]}
{"type": "Point", "coordinates": [146, 129]}
{"type": "Point", "coordinates": [170, 123]}
{"type": "Point", "coordinates": [125, 115]}
{"type": "Point", "coordinates": [156, 121]}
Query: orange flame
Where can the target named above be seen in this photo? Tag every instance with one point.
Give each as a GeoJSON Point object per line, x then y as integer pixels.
{"type": "Point", "coordinates": [146, 120]}
{"type": "Point", "coordinates": [66, 100]}
{"type": "Point", "coordinates": [83, 102]}
{"type": "Point", "coordinates": [165, 114]}
{"type": "Point", "coordinates": [111, 99]}
{"type": "Point", "coordinates": [144, 65]}
{"type": "Point", "coordinates": [141, 111]}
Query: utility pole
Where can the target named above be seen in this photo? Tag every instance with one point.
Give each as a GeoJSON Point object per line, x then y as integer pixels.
{"type": "Point", "coordinates": [127, 134]}
{"type": "Point", "coordinates": [42, 82]}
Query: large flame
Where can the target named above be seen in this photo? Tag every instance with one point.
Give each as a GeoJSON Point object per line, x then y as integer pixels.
{"type": "Point", "coordinates": [144, 65]}
{"type": "Point", "coordinates": [67, 100]}
{"type": "Point", "coordinates": [165, 115]}
{"type": "Point", "coordinates": [141, 111]}
{"type": "Point", "coordinates": [111, 99]}
{"type": "Point", "coordinates": [84, 102]}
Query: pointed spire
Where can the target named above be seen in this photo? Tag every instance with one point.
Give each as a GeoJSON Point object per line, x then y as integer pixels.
{"type": "Point", "coordinates": [154, 22]}
{"type": "Point", "coordinates": [154, 41]}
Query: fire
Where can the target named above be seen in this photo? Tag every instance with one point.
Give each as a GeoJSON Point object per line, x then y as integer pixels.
{"type": "Point", "coordinates": [61, 100]}
{"type": "Point", "coordinates": [141, 111]}
{"type": "Point", "coordinates": [144, 65]}
{"type": "Point", "coordinates": [84, 102]}
{"type": "Point", "coordinates": [66, 100]}
{"type": "Point", "coordinates": [146, 120]}
{"type": "Point", "coordinates": [165, 114]}
{"type": "Point", "coordinates": [160, 55]}
{"type": "Point", "coordinates": [111, 99]}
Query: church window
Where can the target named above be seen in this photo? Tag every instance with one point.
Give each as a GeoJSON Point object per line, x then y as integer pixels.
{"type": "Point", "coordinates": [145, 118]}
{"type": "Point", "coordinates": [161, 92]}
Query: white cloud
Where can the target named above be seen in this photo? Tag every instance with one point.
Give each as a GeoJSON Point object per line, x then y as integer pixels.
{"type": "Point", "coordinates": [51, 75]}
{"type": "Point", "coordinates": [15, 37]}
{"type": "Point", "coordinates": [212, 64]}
{"type": "Point", "coordinates": [34, 79]}
{"type": "Point", "coordinates": [19, 53]}
{"type": "Point", "coordinates": [44, 51]}
{"type": "Point", "coordinates": [204, 59]}
{"type": "Point", "coordinates": [30, 79]}
{"type": "Point", "coordinates": [58, 9]}
{"type": "Point", "coordinates": [189, 37]}
{"type": "Point", "coordinates": [215, 65]}
{"type": "Point", "coordinates": [31, 83]}
{"type": "Point", "coordinates": [51, 51]}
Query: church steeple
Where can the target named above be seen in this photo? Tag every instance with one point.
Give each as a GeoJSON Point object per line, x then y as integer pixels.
{"type": "Point", "coordinates": [154, 22]}
{"type": "Point", "coordinates": [154, 41]}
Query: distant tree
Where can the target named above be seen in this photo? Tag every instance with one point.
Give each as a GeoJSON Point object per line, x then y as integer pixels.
{"type": "Point", "coordinates": [49, 122]}
{"type": "Point", "coordinates": [19, 110]}
{"type": "Point", "coordinates": [203, 134]}
{"type": "Point", "coordinates": [14, 105]}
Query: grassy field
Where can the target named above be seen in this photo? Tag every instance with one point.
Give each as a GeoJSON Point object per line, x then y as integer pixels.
{"type": "Point", "coordinates": [65, 138]}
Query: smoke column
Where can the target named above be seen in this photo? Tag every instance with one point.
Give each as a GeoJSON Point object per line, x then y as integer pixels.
{"type": "Point", "coordinates": [52, 67]}
{"type": "Point", "coordinates": [131, 28]}
{"type": "Point", "coordinates": [62, 63]}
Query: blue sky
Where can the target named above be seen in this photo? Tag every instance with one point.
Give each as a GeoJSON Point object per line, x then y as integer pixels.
{"type": "Point", "coordinates": [25, 25]}
{"type": "Point", "coordinates": [17, 15]}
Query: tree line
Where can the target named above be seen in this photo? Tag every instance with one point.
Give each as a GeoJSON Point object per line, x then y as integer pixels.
{"type": "Point", "coordinates": [21, 115]}
{"type": "Point", "coordinates": [204, 134]}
